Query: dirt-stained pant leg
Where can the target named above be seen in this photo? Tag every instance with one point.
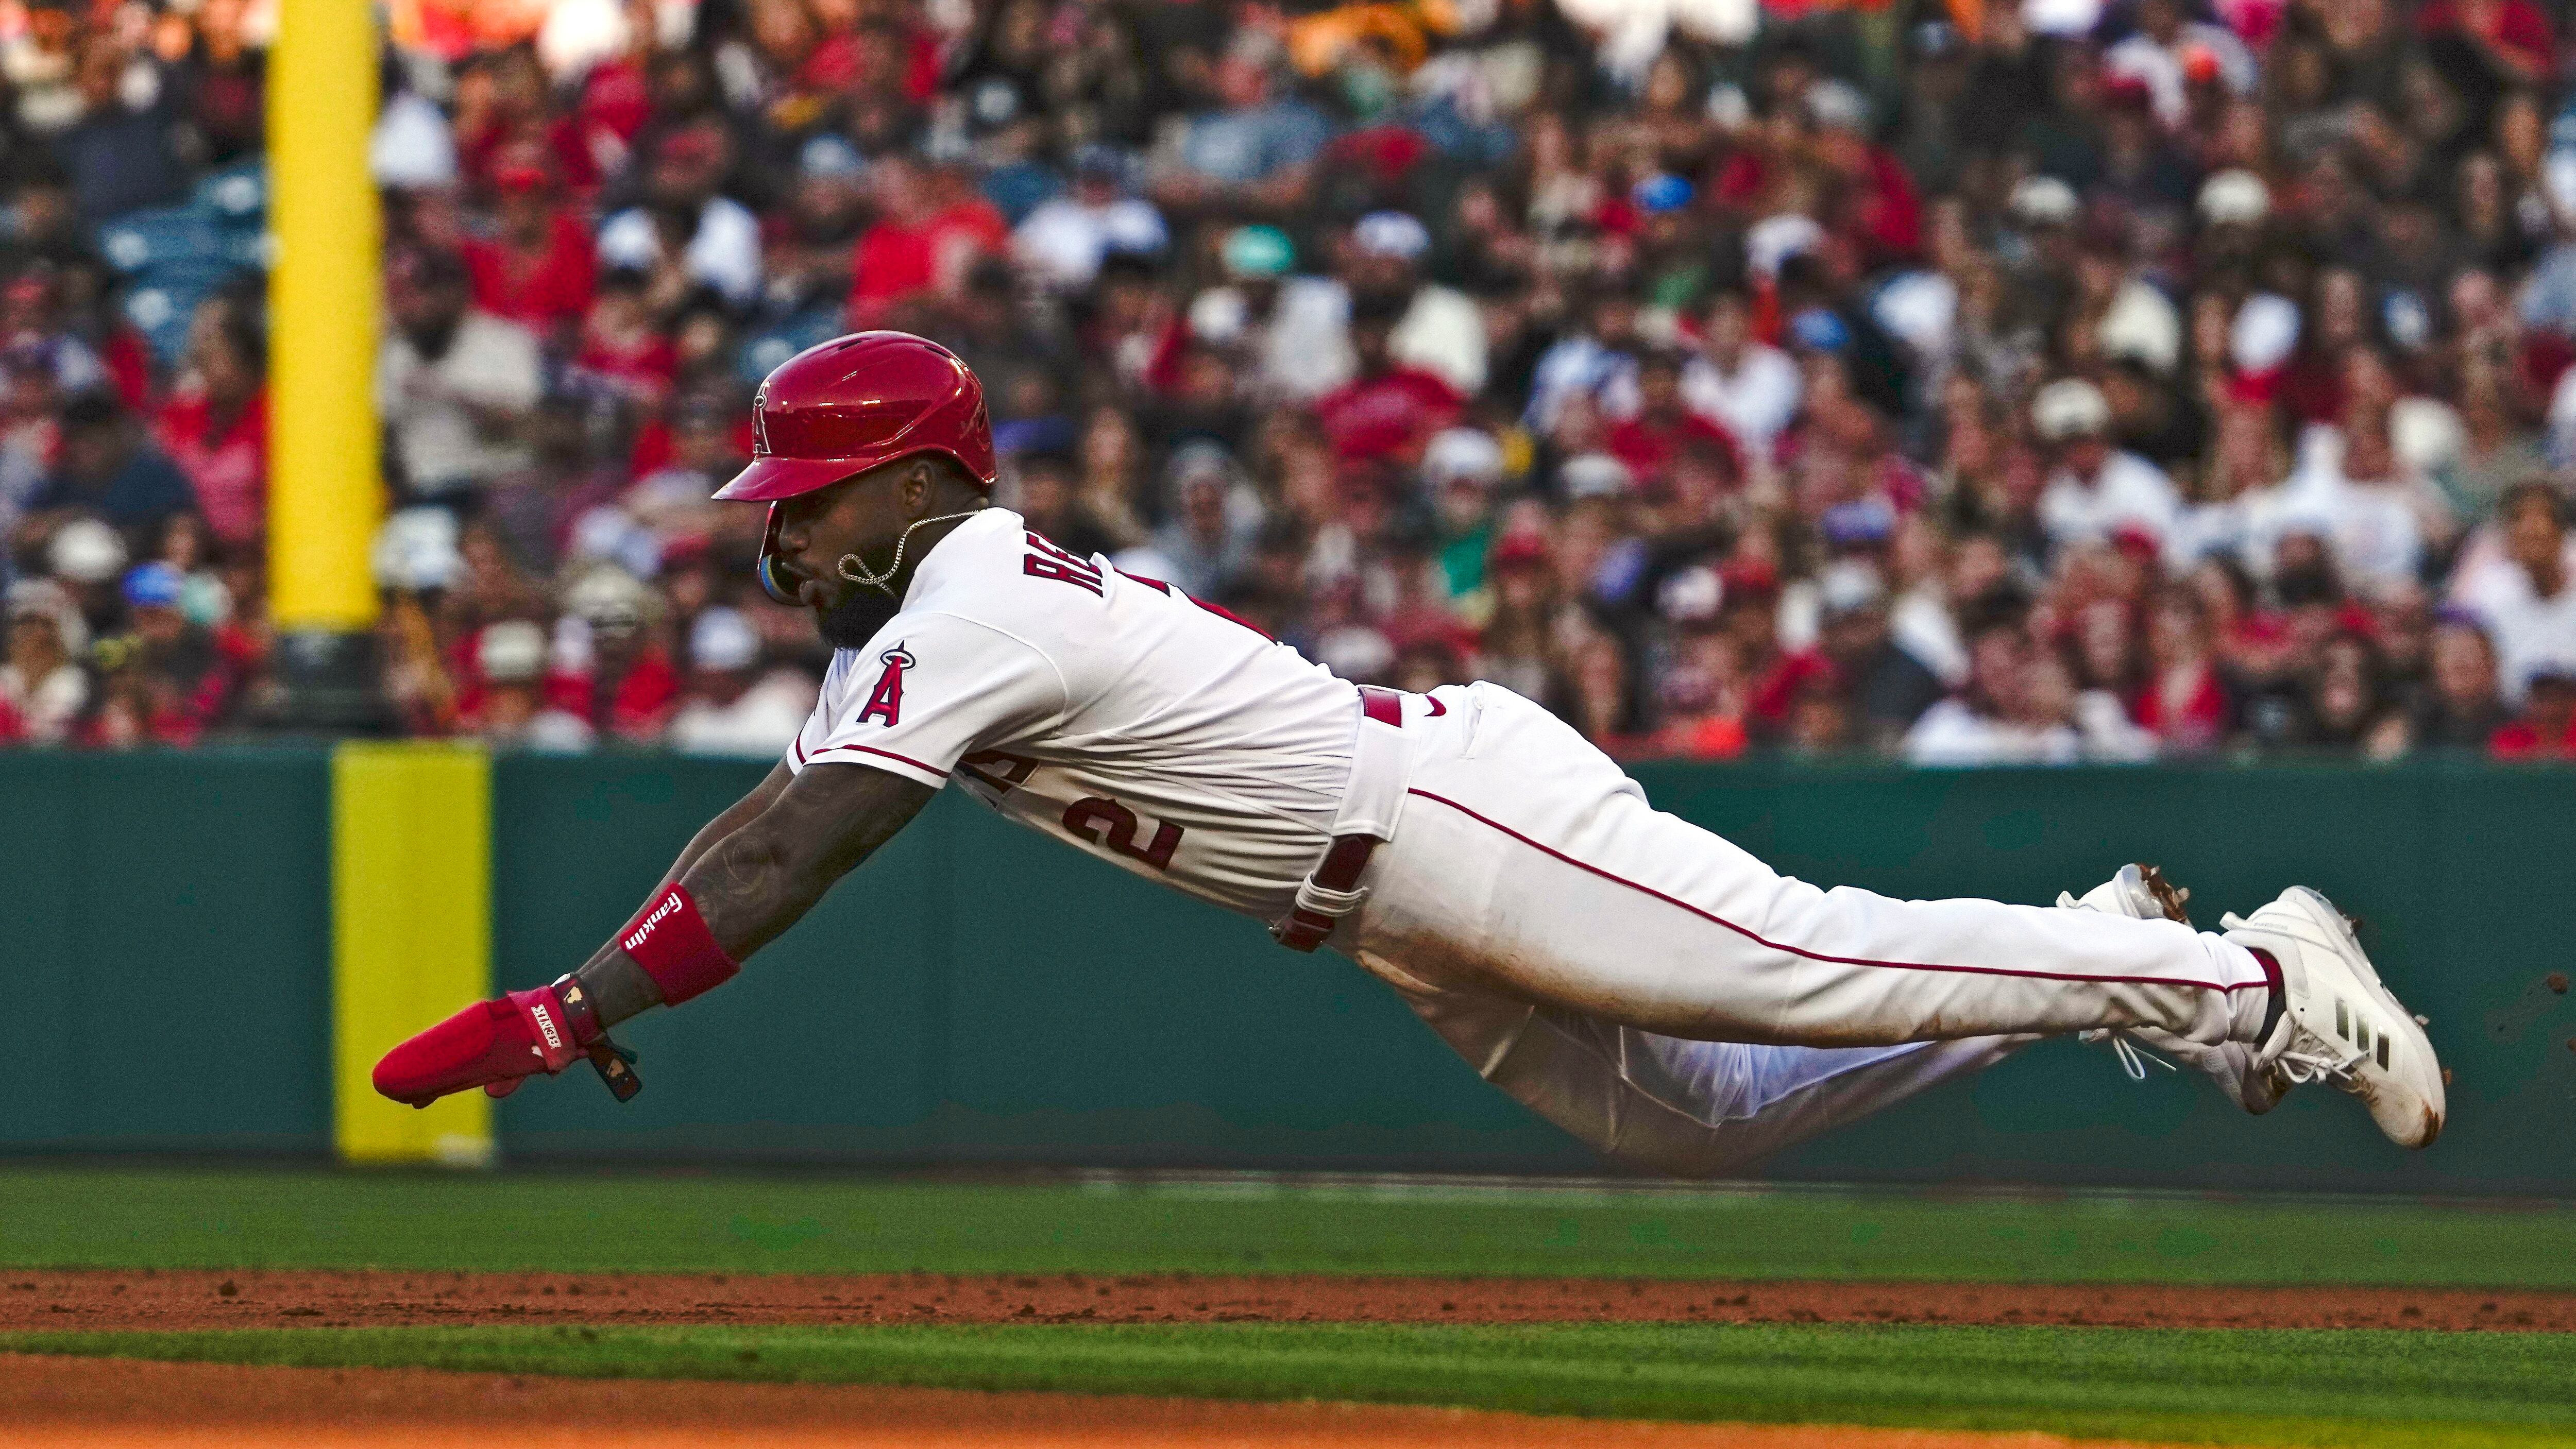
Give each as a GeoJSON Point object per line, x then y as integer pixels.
{"type": "Point", "coordinates": [1661, 993]}
{"type": "Point", "coordinates": [1686, 1108]}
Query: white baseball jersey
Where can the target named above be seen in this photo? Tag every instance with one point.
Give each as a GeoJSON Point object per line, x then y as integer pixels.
{"type": "Point", "coordinates": [1639, 981]}
{"type": "Point", "coordinates": [1104, 709]}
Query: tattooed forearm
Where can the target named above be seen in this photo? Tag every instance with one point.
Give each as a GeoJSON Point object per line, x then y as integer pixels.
{"type": "Point", "coordinates": [751, 887]}
{"type": "Point", "coordinates": [763, 875]}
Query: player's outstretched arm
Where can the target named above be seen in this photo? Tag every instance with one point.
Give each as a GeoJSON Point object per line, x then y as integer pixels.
{"type": "Point", "coordinates": [749, 875]}
{"type": "Point", "coordinates": [728, 820]}
{"type": "Point", "coordinates": [761, 879]}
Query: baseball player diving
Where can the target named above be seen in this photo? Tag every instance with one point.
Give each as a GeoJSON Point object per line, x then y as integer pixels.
{"type": "Point", "coordinates": [1636, 980]}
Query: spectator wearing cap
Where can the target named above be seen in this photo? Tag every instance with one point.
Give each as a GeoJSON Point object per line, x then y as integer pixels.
{"type": "Point", "coordinates": [1590, 366]}
{"type": "Point", "coordinates": [626, 356]}
{"type": "Point", "coordinates": [1212, 515]}
{"type": "Point", "coordinates": [1241, 313]}
{"type": "Point", "coordinates": [1518, 647]}
{"type": "Point", "coordinates": [108, 469]}
{"type": "Point", "coordinates": [2096, 491]}
{"type": "Point", "coordinates": [1062, 242]}
{"type": "Point", "coordinates": [1886, 689]}
{"type": "Point", "coordinates": [214, 424]}
{"type": "Point", "coordinates": [1439, 330]}
{"type": "Point", "coordinates": [1884, 217]}
{"type": "Point", "coordinates": [1389, 410]}
{"type": "Point", "coordinates": [165, 680]}
{"type": "Point", "coordinates": [673, 500]}
{"type": "Point", "coordinates": [85, 558]}
{"type": "Point", "coordinates": [455, 385]}
{"type": "Point", "coordinates": [1929, 131]}
{"type": "Point", "coordinates": [2038, 247]}
{"type": "Point", "coordinates": [2511, 37]}
{"type": "Point", "coordinates": [2233, 205]}
{"type": "Point", "coordinates": [41, 59]}
{"type": "Point", "coordinates": [42, 688]}
{"type": "Point", "coordinates": [805, 247]}
{"type": "Point", "coordinates": [506, 707]}
{"type": "Point", "coordinates": [1703, 693]}
{"type": "Point", "coordinates": [684, 233]}
{"type": "Point", "coordinates": [732, 707]}
{"type": "Point", "coordinates": [611, 670]}
{"type": "Point", "coordinates": [2169, 51]}
{"type": "Point", "coordinates": [1461, 470]}
{"type": "Point", "coordinates": [76, 348]}
{"type": "Point", "coordinates": [538, 265]}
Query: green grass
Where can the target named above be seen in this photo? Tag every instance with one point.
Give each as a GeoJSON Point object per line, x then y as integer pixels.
{"type": "Point", "coordinates": [122, 1218]}
{"type": "Point", "coordinates": [2324, 1388]}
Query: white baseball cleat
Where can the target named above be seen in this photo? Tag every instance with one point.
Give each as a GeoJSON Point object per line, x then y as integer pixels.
{"type": "Point", "coordinates": [2338, 1023]}
{"type": "Point", "coordinates": [2142, 893]}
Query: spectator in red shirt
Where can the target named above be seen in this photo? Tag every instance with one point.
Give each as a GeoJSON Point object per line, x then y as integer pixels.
{"type": "Point", "coordinates": [926, 237]}
{"type": "Point", "coordinates": [1387, 410]}
{"type": "Point", "coordinates": [2546, 728]}
{"type": "Point", "coordinates": [215, 425]}
{"type": "Point", "coordinates": [2184, 700]}
{"type": "Point", "coordinates": [1664, 428]}
{"type": "Point", "coordinates": [166, 681]}
{"type": "Point", "coordinates": [623, 352]}
{"type": "Point", "coordinates": [627, 688]}
{"type": "Point", "coordinates": [536, 269]}
{"type": "Point", "coordinates": [2511, 36]}
{"type": "Point", "coordinates": [501, 102]}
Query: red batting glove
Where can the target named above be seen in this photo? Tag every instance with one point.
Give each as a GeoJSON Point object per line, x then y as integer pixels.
{"type": "Point", "coordinates": [494, 1045]}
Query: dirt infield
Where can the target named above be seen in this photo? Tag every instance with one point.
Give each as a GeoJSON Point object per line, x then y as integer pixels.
{"type": "Point", "coordinates": [138, 1299]}
{"type": "Point", "coordinates": [72, 1403]}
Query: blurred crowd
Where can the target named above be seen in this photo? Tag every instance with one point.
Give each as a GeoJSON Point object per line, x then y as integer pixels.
{"type": "Point", "coordinates": [1954, 381]}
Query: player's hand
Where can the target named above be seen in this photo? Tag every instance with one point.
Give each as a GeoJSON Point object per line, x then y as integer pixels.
{"type": "Point", "coordinates": [494, 1045]}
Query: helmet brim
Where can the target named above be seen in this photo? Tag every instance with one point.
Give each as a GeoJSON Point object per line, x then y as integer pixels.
{"type": "Point", "coordinates": [769, 479]}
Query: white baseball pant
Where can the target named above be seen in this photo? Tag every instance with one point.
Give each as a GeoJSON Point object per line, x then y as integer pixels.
{"type": "Point", "coordinates": [1669, 999]}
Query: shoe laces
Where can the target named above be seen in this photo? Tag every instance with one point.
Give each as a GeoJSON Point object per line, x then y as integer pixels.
{"type": "Point", "coordinates": [2302, 1065]}
{"type": "Point", "coordinates": [2133, 1057]}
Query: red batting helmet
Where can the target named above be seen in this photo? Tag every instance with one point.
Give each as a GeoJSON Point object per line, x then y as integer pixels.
{"type": "Point", "coordinates": [859, 401]}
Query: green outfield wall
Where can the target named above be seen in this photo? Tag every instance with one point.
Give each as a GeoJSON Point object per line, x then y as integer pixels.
{"type": "Point", "coordinates": [980, 994]}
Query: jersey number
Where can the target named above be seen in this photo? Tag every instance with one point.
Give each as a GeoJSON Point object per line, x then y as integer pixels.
{"type": "Point", "coordinates": [1047, 561]}
{"type": "Point", "coordinates": [1105, 822]}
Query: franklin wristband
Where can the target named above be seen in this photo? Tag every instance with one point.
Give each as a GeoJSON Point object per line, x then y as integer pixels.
{"type": "Point", "coordinates": [670, 940]}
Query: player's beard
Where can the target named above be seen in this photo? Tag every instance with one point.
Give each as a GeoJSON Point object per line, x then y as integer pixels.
{"type": "Point", "coordinates": [855, 620]}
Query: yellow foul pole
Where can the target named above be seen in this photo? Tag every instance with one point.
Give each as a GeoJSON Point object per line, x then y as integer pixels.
{"type": "Point", "coordinates": [325, 492]}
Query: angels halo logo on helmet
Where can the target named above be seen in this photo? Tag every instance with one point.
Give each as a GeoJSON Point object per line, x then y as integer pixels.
{"type": "Point", "coordinates": [842, 407]}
